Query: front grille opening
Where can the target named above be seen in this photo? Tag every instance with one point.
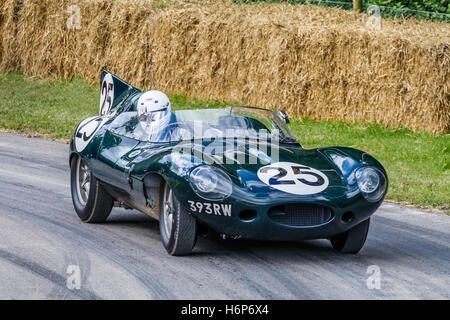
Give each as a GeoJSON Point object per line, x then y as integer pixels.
{"type": "Point", "coordinates": [247, 215]}
{"type": "Point", "coordinates": [300, 214]}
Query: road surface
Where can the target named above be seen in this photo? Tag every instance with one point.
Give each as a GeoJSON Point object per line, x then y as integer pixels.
{"type": "Point", "coordinates": [45, 249]}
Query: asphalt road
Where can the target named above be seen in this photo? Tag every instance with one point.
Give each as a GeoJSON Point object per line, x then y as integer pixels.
{"type": "Point", "coordinates": [43, 245]}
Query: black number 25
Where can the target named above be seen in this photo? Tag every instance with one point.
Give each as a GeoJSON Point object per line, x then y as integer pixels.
{"type": "Point", "coordinates": [106, 89]}
{"type": "Point", "coordinates": [275, 180]}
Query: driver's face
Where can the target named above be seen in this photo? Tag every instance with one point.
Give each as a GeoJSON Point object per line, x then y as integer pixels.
{"type": "Point", "coordinates": [153, 115]}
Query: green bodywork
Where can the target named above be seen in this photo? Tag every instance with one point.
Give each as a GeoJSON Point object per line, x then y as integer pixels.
{"type": "Point", "coordinates": [125, 165]}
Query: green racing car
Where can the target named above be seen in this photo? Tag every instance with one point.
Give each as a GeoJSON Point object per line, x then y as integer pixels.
{"type": "Point", "coordinates": [237, 172]}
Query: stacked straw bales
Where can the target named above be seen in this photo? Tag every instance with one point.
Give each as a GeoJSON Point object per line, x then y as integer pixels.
{"type": "Point", "coordinates": [321, 62]}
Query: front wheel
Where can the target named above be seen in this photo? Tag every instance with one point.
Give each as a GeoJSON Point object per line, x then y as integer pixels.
{"type": "Point", "coordinates": [90, 200]}
{"type": "Point", "coordinates": [178, 228]}
{"type": "Point", "coordinates": [352, 240]}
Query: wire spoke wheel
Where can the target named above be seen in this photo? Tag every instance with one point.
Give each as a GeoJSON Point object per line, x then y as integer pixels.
{"type": "Point", "coordinates": [91, 201]}
{"type": "Point", "coordinates": [178, 228]}
{"type": "Point", "coordinates": [168, 209]}
{"type": "Point", "coordinates": [83, 179]}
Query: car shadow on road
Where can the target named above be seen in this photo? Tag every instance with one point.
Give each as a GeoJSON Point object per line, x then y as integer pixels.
{"type": "Point", "coordinates": [208, 246]}
{"type": "Point", "coordinates": [216, 247]}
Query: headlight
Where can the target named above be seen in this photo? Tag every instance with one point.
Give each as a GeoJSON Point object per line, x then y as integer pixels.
{"type": "Point", "coordinates": [371, 182]}
{"type": "Point", "coordinates": [210, 183]}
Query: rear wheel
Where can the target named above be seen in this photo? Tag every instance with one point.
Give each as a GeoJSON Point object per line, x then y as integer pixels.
{"type": "Point", "coordinates": [352, 240]}
{"type": "Point", "coordinates": [178, 228]}
{"type": "Point", "coordinates": [90, 200]}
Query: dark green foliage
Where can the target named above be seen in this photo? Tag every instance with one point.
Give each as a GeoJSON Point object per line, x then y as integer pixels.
{"type": "Point", "coordinates": [389, 8]}
{"type": "Point", "coordinates": [441, 6]}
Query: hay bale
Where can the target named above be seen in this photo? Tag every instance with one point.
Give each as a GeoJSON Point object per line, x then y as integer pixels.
{"type": "Point", "coordinates": [92, 39]}
{"type": "Point", "coordinates": [54, 50]}
{"type": "Point", "coordinates": [293, 57]}
{"type": "Point", "coordinates": [128, 49]}
{"type": "Point", "coordinates": [10, 12]}
{"type": "Point", "coordinates": [2, 18]}
{"type": "Point", "coordinates": [320, 62]}
{"type": "Point", "coordinates": [112, 35]}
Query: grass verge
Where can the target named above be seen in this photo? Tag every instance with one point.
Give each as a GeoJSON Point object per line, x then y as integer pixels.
{"type": "Point", "coordinates": [418, 164]}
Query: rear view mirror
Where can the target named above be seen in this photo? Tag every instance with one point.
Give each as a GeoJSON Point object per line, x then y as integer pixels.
{"type": "Point", "coordinates": [283, 115]}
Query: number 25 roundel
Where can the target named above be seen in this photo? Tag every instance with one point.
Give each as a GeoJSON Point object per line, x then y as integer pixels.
{"type": "Point", "coordinates": [293, 178]}
{"type": "Point", "coordinates": [86, 130]}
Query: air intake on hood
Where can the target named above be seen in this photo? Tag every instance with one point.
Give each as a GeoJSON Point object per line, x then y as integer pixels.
{"type": "Point", "coordinates": [300, 214]}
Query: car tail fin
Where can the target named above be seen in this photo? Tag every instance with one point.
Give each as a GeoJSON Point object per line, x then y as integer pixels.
{"type": "Point", "coordinates": [113, 91]}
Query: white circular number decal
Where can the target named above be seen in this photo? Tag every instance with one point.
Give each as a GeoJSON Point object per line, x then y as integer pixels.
{"type": "Point", "coordinates": [86, 131]}
{"type": "Point", "coordinates": [293, 178]}
{"type": "Point", "coordinates": [106, 94]}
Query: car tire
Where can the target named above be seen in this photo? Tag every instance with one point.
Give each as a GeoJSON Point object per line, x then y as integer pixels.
{"type": "Point", "coordinates": [352, 240]}
{"type": "Point", "coordinates": [93, 205]}
{"type": "Point", "coordinates": [178, 228]}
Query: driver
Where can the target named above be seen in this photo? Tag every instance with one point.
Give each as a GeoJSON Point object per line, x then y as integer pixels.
{"type": "Point", "coordinates": [154, 113]}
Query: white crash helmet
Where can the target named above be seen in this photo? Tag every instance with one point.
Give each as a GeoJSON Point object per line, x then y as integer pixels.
{"type": "Point", "coordinates": [154, 111]}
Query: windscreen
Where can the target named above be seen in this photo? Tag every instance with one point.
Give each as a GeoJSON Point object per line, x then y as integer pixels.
{"type": "Point", "coordinates": [230, 122]}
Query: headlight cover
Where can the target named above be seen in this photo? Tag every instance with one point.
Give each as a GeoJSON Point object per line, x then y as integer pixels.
{"type": "Point", "coordinates": [371, 182]}
{"type": "Point", "coordinates": [210, 183]}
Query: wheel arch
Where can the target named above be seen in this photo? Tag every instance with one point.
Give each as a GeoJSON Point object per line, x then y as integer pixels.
{"type": "Point", "coordinates": [152, 183]}
{"type": "Point", "coordinates": [153, 180]}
